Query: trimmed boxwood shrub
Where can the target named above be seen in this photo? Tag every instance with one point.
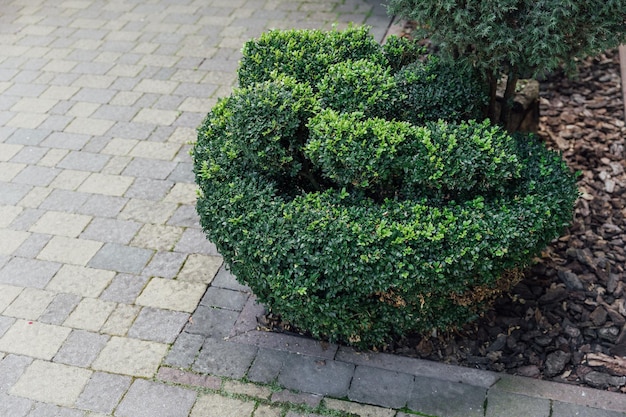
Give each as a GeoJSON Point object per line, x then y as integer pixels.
{"type": "Point", "coordinates": [352, 223]}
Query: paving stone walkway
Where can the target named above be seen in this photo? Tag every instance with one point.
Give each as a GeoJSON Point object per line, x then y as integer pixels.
{"type": "Point", "coordinates": [112, 302]}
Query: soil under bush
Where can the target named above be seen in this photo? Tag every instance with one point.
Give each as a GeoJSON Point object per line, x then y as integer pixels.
{"type": "Point", "coordinates": [566, 321]}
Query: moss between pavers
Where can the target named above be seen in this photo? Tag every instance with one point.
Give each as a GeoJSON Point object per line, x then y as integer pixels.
{"type": "Point", "coordinates": [260, 394]}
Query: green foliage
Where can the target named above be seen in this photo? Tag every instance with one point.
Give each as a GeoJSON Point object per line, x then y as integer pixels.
{"type": "Point", "coordinates": [434, 90]}
{"type": "Point", "coordinates": [358, 226]}
{"type": "Point", "coordinates": [402, 51]}
{"type": "Point", "coordinates": [305, 55]}
{"type": "Point", "coordinates": [534, 37]}
{"type": "Point", "coordinates": [343, 88]}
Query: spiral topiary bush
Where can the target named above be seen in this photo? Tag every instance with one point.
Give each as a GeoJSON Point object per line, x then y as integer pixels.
{"type": "Point", "coordinates": [349, 219]}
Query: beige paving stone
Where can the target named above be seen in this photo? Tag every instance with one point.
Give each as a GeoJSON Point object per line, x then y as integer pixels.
{"type": "Point", "coordinates": [251, 390]}
{"type": "Point", "coordinates": [53, 157]}
{"type": "Point", "coordinates": [8, 151]}
{"type": "Point", "coordinates": [362, 410]}
{"type": "Point", "coordinates": [196, 104]}
{"type": "Point", "coordinates": [117, 146]}
{"type": "Point", "coordinates": [8, 170]}
{"type": "Point", "coordinates": [69, 179]}
{"type": "Point", "coordinates": [30, 304]}
{"type": "Point", "coordinates": [34, 339]}
{"type": "Point", "coordinates": [89, 126]}
{"type": "Point", "coordinates": [158, 237]}
{"type": "Point", "coordinates": [156, 86]}
{"type": "Point", "coordinates": [215, 405]}
{"type": "Point", "coordinates": [147, 211]}
{"type": "Point", "coordinates": [10, 240]}
{"type": "Point", "coordinates": [125, 98]}
{"type": "Point", "coordinates": [114, 185]}
{"type": "Point", "coordinates": [156, 150]}
{"type": "Point", "coordinates": [182, 193]}
{"type": "Point", "coordinates": [91, 80]}
{"type": "Point", "coordinates": [83, 109]}
{"type": "Point", "coordinates": [52, 383]}
{"type": "Point", "coordinates": [172, 295]}
{"type": "Point", "coordinates": [35, 197]}
{"type": "Point", "coordinates": [120, 320]}
{"type": "Point", "coordinates": [164, 61]}
{"type": "Point", "coordinates": [90, 314]}
{"type": "Point", "coordinates": [80, 280]}
{"type": "Point", "coordinates": [69, 250]}
{"type": "Point", "coordinates": [8, 293]}
{"type": "Point", "coordinates": [60, 92]}
{"type": "Point", "coordinates": [116, 165]}
{"type": "Point", "coordinates": [267, 411]}
{"type": "Point", "coordinates": [26, 120]}
{"type": "Point", "coordinates": [35, 105]}
{"type": "Point", "coordinates": [154, 116]}
{"type": "Point", "coordinates": [125, 70]}
{"type": "Point", "coordinates": [200, 268]}
{"type": "Point", "coordinates": [183, 135]}
{"type": "Point", "coordinates": [8, 214]}
{"type": "Point", "coordinates": [130, 357]}
{"type": "Point", "coordinates": [60, 224]}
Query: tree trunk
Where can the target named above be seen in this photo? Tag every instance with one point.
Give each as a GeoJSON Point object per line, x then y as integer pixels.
{"type": "Point", "coordinates": [507, 102]}
{"type": "Point", "coordinates": [493, 90]}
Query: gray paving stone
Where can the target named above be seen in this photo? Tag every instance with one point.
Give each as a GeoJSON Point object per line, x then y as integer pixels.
{"type": "Point", "coordinates": [94, 95]}
{"type": "Point", "coordinates": [11, 193]}
{"type": "Point", "coordinates": [130, 130]}
{"type": "Point", "coordinates": [60, 308]}
{"type": "Point", "coordinates": [64, 200]}
{"type": "Point", "coordinates": [267, 365]}
{"type": "Point", "coordinates": [26, 219]}
{"type": "Point", "coordinates": [103, 392]}
{"type": "Point", "coordinates": [84, 161]}
{"type": "Point", "coordinates": [14, 406]}
{"type": "Point", "coordinates": [29, 137]}
{"type": "Point", "coordinates": [158, 325]}
{"type": "Point", "coordinates": [500, 403]}
{"type": "Point", "coordinates": [149, 189]}
{"type": "Point", "coordinates": [81, 348]}
{"type": "Point", "coordinates": [150, 399]}
{"type": "Point", "coordinates": [28, 272]}
{"type": "Point", "coordinates": [149, 168]}
{"type": "Point", "coordinates": [5, 323]}
{"type": "Point", "coordinates": [124, 288]}
{"type": "Point", "coordinates": [316, 375]}
{"type": "Point", "coordinates": [212, 322]}
{"type": "Point", "coordinates": [224, 279]}
{"type": "Point", "coordinates": [561, 409]}
{"type": "Point", "coordinates": [36, 175]}
{"type": "Point", "coordinates": [380, 387]}
{"type": "Point", "coordinates": [184, 350]}
{"type": "Point", "coordinates": [221, 358]}
{"type": "Point", "coordinates": [11, 368]}
{"type": "Point", "coordinates": [50, 410]}
{"type": "Point", "coordinates": [195, 241]}
{"type": "Point", "coordinates": [224, 298]}
{"type": "Point", "coordinates": [111, 230]}
{"type": "Point", "coordinates": [32, 245]}
{"type": "Point", "coordinates": [182, 173]}
{"type": "Point", "coordinates": [66, 140]}
{"type": "Point", "coordinates": [165, 264]}
{"type": "Point", "coordinates": [186, 216]}
{"type": "Point", "coordinates": [121, 258]}
{"type": "Point", "coordinates": [103, 205]}
{"type": "Point", "coordinates": [450, 399]}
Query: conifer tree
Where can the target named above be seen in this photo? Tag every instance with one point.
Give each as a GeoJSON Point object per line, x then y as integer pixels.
{"type": "Point", "coordinates": [516, 38]}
